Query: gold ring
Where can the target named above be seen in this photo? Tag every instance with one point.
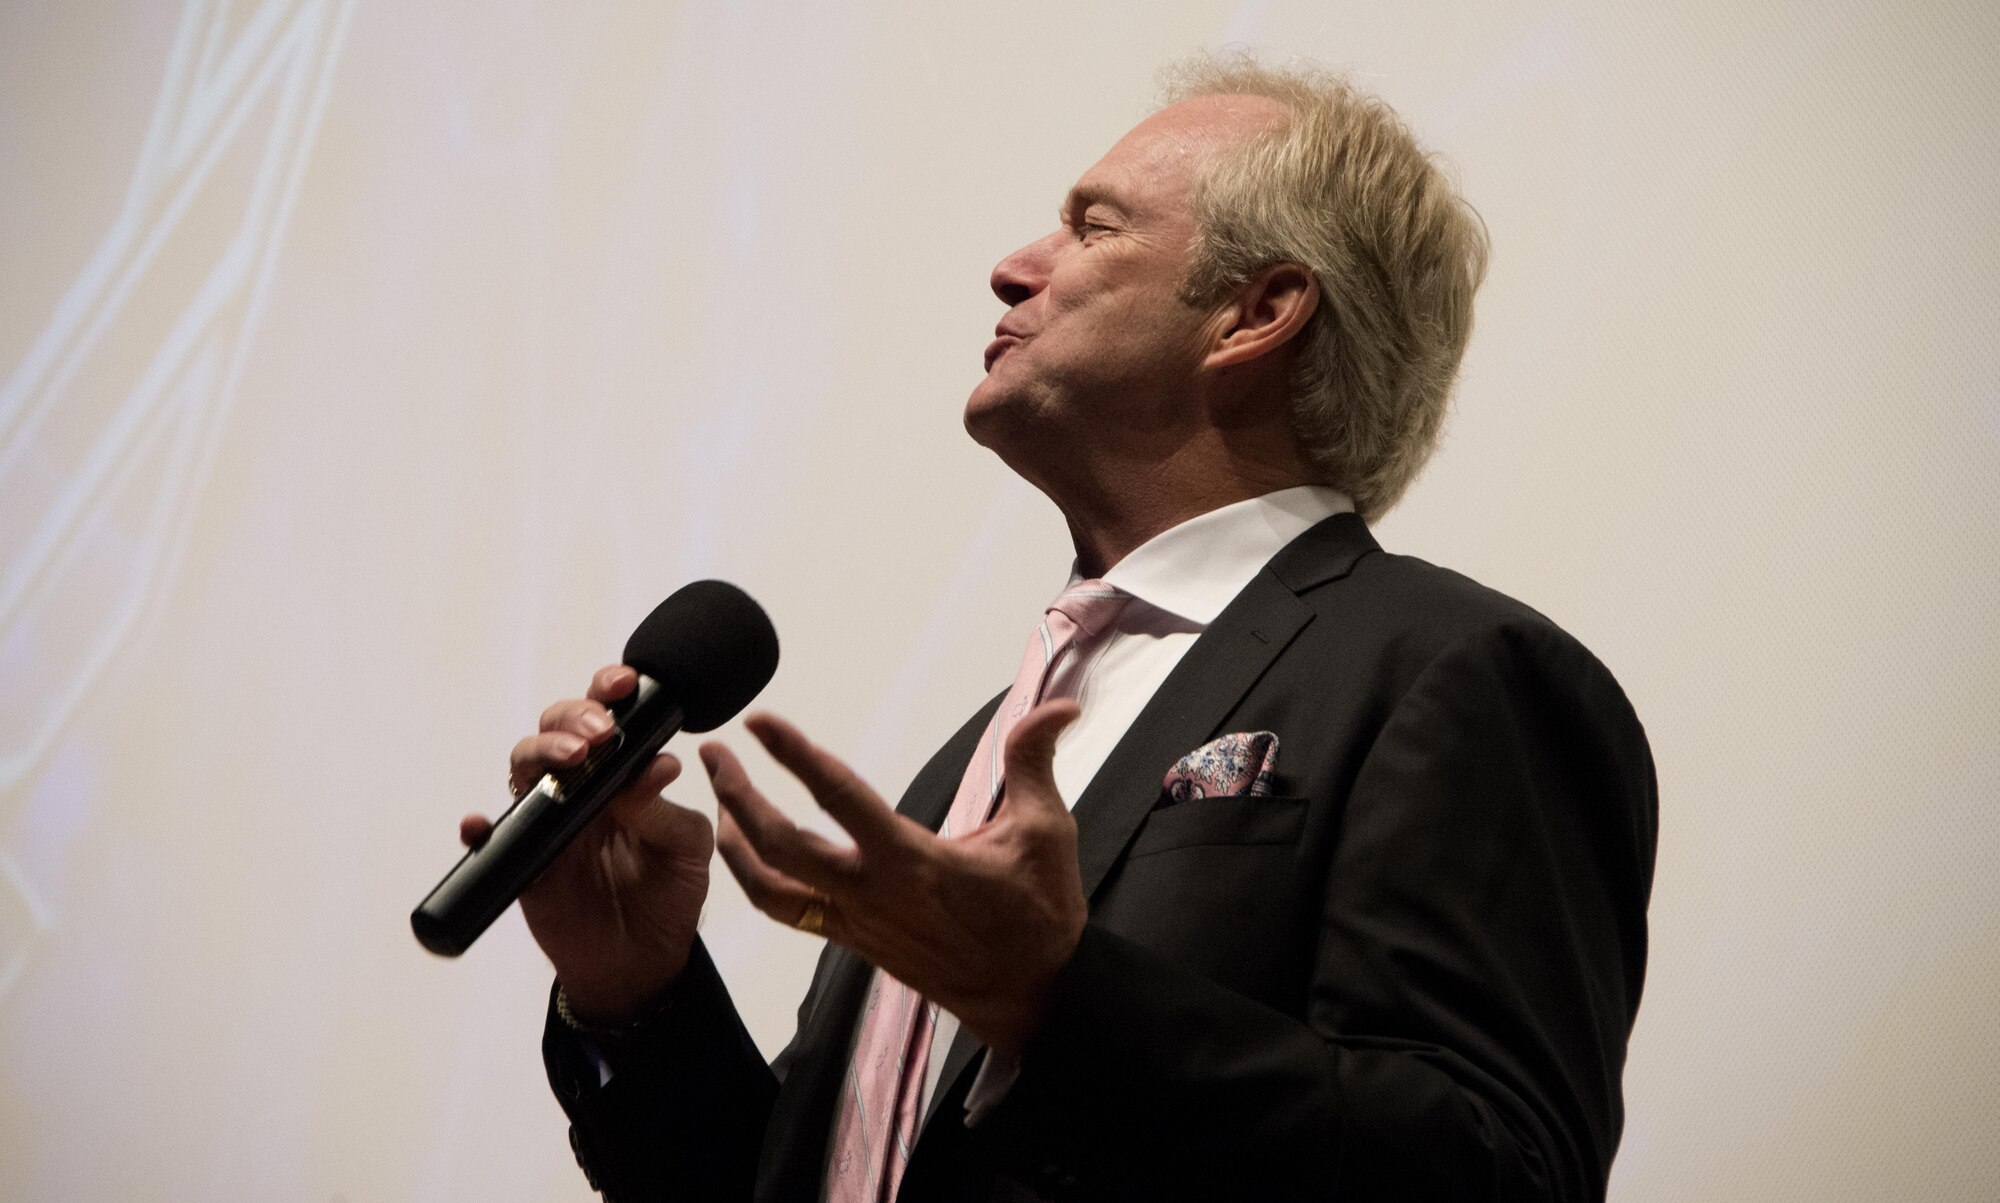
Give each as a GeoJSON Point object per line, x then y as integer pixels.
{"type": "Point", "coordinates": [812, 920]}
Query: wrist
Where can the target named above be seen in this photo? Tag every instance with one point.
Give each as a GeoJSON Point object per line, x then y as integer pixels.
{"type": "Point", "coordinates": [609, 1030]}
{"type": "Point", "coordinates": [1007, 1025]}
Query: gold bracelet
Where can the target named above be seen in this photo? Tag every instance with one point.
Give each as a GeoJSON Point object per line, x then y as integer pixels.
{"type": "Point", "coordinates": [607, 1031]}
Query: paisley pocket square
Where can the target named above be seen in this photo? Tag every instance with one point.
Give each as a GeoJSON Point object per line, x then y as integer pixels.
{"type": "Point", "coordinates": [1232, 766]}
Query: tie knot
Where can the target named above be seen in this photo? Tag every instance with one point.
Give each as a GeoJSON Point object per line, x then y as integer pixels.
{"type": "Point", "coordinates": [1092, 605]}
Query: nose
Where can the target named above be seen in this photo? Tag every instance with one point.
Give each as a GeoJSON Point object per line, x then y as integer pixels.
{"type": "Point", "coordinates": [1022, 274]}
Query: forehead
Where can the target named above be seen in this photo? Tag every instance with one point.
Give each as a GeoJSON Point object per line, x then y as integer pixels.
{"type": "Point", "coordinates": [1160, 157]}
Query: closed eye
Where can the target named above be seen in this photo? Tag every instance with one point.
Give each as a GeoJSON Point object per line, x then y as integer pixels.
{"type": "Point", "coordinates": [1078, 226]}
{"type": "Point", "coordinates": [1077, 217]}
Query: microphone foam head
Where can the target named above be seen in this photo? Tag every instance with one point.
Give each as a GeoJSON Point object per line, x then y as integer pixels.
{"type": "Point", "coordinates": [711, 647]}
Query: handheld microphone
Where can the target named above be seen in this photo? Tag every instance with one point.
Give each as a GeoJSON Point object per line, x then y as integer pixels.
{"type": "Point", "coordinates": [702, 654]}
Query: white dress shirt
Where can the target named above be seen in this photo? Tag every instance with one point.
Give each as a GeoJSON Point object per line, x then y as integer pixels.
{"type": "Point", "coordinates": [1180, 579]}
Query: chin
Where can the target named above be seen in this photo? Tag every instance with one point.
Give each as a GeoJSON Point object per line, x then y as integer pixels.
{"type": "Point", "coordinates": [985, 411]}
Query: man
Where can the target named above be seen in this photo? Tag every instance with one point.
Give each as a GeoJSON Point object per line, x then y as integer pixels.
{"type": "Point", "coordinates": [1352, 900]}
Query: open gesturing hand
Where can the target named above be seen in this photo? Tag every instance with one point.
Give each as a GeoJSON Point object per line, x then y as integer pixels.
{"type": "Point", "coordinates": [980, 924]}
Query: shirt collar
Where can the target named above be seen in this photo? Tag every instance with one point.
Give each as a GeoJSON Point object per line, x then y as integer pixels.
{"type": "Point", "coordinates": [1195, 569]}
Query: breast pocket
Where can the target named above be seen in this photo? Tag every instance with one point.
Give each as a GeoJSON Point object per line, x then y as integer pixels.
{"type": "Point", "coordinates": [1209, 822]}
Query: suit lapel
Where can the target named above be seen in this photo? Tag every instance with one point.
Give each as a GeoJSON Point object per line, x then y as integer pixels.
{"type": "Point", "coordinates": [1189, 707]}
{"type": "Point", "coordinates": [1184, 713]}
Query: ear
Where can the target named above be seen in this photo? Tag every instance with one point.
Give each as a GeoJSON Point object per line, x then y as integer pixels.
{"type": "Point", "coordinates": [1263, 315]}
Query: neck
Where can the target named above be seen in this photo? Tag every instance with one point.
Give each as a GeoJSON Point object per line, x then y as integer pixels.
{"type": "Point", "coordinates": [1113, 513]}
{"type": "Point", "coordinates": [1119, 483]}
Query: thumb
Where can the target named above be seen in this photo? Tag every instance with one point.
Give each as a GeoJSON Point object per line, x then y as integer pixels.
{"type": "Point", "coordinates": [652, 819]}
{"type": "Point", "coordinates": [1030, 757]}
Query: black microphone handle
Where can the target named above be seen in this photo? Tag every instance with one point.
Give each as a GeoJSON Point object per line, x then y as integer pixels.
{"type": "Point", "coordinates": [542, 822]}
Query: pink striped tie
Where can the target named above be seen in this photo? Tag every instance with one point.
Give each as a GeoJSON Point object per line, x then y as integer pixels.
{"type": "Point", "coordinates": [878, 1113]}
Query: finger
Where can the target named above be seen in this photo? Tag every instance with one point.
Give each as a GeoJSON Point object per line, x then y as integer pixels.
{"type": "Point", "coordinates": [537, 754]}
{"type": "Point", "coordinates": [660, 772]}
{"type": "Point", "coordinates": [781, 897]}
{"type": "Point", "coordinates": [838, 789]}
{"type": "Point", "coordinates": [778, 841]}
{"type": "Point", "coordinates": [1030, 759]}
{"type": "Point", "coordinates": [473, 831]}
{"type": "Point", "coordinates": [578, 716]}
{"type": "Point", "coordinates": [612, 682]}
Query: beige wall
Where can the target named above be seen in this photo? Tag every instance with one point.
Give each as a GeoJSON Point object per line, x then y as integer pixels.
{"type": "Point", "coordinates": [367, 376]}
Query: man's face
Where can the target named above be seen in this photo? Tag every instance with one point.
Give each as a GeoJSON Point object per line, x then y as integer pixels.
{"type": "Point", "coordinates": [1097, 342]}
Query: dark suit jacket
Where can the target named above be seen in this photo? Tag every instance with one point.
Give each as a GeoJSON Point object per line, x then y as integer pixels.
{"type": "Point", "coordinates": [1408, 974]}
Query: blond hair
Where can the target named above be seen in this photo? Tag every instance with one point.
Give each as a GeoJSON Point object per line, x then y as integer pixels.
{"type": "Point", "coordinates": [1345, 191]}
